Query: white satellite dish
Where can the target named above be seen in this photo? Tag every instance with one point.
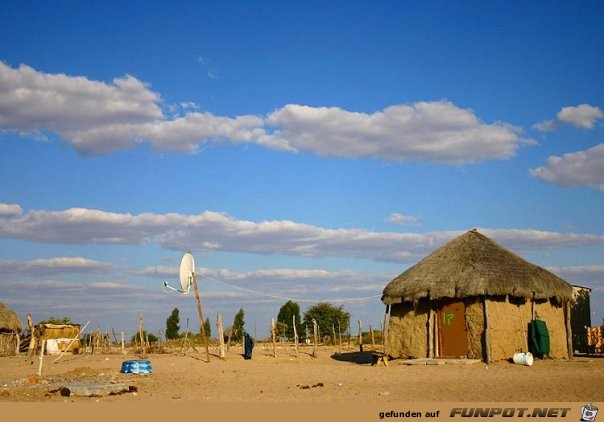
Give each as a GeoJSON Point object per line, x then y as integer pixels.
{"type": "Point", "coordinates": [187, 277]}
{"type": "Point", "coordinates": [186, 274]}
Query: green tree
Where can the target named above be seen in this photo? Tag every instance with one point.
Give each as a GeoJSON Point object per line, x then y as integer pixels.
{"type": "Point", "coordinates": [238, 325]}
{"type": "Point", "coordinates": [172, 324]}
{"type": "Point", "coordinates": [285, 327]}
{"type": "Point", "coordinates": [326, 315]}
{"type": "Point", "coordinates": [152, 338]}
{"type": "Point", "coordinates": [208, 328]}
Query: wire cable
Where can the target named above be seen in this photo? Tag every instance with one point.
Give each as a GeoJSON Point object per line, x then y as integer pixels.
{"type": "Point", "coordinates": [283, 297]}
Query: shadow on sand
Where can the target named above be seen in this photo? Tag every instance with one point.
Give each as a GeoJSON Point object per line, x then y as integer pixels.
{"type": "Point", "coordinates": [364, 358]}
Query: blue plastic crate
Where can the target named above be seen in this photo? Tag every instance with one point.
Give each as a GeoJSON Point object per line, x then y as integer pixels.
{"type": "Point", "coordinates": [136, 367]}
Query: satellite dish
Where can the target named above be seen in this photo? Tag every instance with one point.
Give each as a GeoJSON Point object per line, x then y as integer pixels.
{"type": "Point", "coordinates": [186, 274]}
{"type": "Point", "coordinates": [187, 271]}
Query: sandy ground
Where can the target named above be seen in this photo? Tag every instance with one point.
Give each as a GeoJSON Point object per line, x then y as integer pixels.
{"type": "Point", "coordinates": [345, 377]}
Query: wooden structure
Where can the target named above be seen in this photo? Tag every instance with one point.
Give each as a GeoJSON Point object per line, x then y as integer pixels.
{"type": "Point", "coordinates": [473, 298]}
{"type": "Point", "coordinates": [580, 317]}
{"type": "Point", "coordinates": [62, 334]}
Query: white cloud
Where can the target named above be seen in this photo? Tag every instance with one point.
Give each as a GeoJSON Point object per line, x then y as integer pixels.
{"type": "Point", "coordinates": [546, 126]}
{"type": "Point", "coordinates": [225, 233]}
{"type": "Point", "coordinates": [424, 131]}
{"type": "Point", "coordinates": [97, 118]}
{"type": "Point", "coordinates": [583, 116]}
{"type": "Point", "coordinates": [71, 106]}
{"type": "Point", "coordinates": [59, 265]}
{"type": "Point", "coordinates": [583, 168]}
{"type": "Point", "coordinates": [10, 210]}
{"type": "Point", "coordinates": [186, 134]}
{"type": "Point", "coordinates": [112, 285]}
{"type": "Point", "coordinates": [404, 220]}
{"type": "Point", "coordinates": [584, 275]}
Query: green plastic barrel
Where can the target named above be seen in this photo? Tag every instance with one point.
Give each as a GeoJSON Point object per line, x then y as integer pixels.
{"type": "Point", "coordinates": [538, 338]}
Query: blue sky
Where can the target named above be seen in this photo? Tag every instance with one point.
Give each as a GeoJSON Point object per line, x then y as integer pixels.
{"type": "Point", "coordinates": [301, 150]}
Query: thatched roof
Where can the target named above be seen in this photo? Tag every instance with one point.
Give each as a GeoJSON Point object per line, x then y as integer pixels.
{"type": "Point", "coordinates": [474, 265]}
{"type": "Point", "coordinates": [9, 321]}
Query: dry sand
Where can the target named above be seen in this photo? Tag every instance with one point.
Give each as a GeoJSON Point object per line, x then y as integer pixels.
{"type": "Point", "coordinates": [346, 377]}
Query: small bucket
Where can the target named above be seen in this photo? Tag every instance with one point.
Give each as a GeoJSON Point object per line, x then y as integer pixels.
{"type": "Point", "coordinates": [523, 358]}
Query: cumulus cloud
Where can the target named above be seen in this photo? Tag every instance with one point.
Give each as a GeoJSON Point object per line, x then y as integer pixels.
{"type": "Point", "coordinates": [59, 265]}
{"type": "Point", "coordinates": [583, 168]}
{"type": "Point", "coordinates": [425, 131]}
{"type": "Point", "coordinates": [70, 106]}
{"type": "Point", "coordinates": [583, 116]}
{"type": "Point", "coordinates": [97, 117]}
{"type": "Point", "coordinates": [404, 220]}
{"type": "Point", "coordinates": [10, 210]}
{"type": "Point", "coordinates": [187, 133]}
{"type": "Point", "coordinates": [584, 275]}
{"type": "Point", "coordinates": [219, 231]}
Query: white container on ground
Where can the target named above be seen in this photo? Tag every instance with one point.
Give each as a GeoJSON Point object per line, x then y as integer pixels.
{"type": "Point", "coordinates": [522, 358]}
{"type": "Point", "coordinates": [52, 347]}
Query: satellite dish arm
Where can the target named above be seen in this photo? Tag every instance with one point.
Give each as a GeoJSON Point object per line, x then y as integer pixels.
{"type": "Point", "coordinates": [167, 288]}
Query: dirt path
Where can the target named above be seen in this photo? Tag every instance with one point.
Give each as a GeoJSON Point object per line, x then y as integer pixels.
{"type": "Point", "coordinates": [349, 377]}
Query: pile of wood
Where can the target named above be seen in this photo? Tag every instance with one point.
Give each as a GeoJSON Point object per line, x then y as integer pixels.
{"type": "Point", "coordinates": [595, 339]}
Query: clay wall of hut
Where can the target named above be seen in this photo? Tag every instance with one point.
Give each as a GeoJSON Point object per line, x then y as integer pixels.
{"type": "Point", "coordinates": [508, 321]}
{"type": "Point", "coordinates": [475, 327]}
{"type": "Point", "coordinates": [407, 330]}
{"type": "Point", "coordinates": [508, 327]}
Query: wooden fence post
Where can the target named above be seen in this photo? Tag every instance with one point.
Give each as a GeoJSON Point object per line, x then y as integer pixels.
{"type": "Point", "coordinates": [140, 332]}
{"type": "Point", "coordinates": [273, 335]}
{"type": "Point", "coordinates": [360, 337]}
{"type": "Point", "coordinates": [32, 341]}
{"type": "Point", "coordinates": [41, 357]}
{"type": "Point", "coordinates": [221, 351]}
{"type": "Point", "coordinates": [340, 337]}
{"type": "Point", "coordinates": [295, 336]}
{"type": "Point", "coordinates": [314, 348]}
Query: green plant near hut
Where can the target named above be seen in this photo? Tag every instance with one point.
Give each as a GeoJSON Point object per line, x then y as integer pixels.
{"type": "Point", "coordinates": [57, 321]}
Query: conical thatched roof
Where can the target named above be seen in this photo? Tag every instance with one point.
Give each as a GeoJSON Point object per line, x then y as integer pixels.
{"type": "Point", "coordinates": [8, 320]}
{"type": "Point", "coordinates": [474, 265]}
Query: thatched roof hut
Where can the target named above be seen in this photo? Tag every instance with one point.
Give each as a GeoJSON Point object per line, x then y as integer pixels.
{"type": "Point", "coordinates": [484, 288]}
{"type": "Point", "coordinates": [474, 265]}
{"type": "Point", "coordinates": [10, 326]}
{"type": "Point", "coordinates": [9, 321]}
